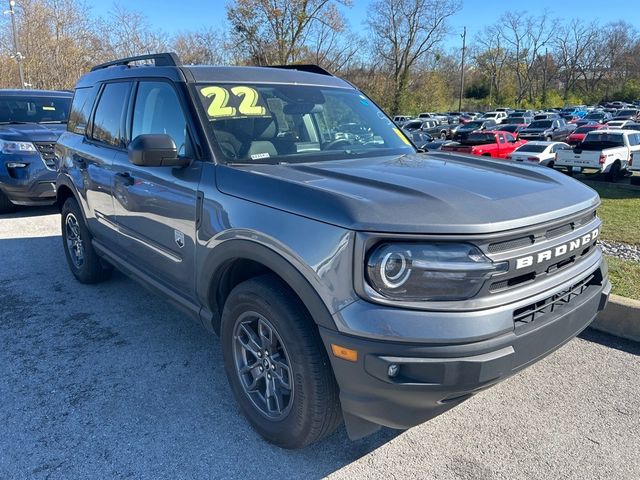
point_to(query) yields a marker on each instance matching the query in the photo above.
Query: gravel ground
(621, 250)
(108, 381)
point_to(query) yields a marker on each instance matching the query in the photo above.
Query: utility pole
(544, 78)
(464, 46)
(16, 51)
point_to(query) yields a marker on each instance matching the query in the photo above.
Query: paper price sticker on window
(235, 102)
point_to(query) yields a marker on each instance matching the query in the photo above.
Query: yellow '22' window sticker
(239, 101)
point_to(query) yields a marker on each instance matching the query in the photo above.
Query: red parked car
(579, 133)
(496, 144)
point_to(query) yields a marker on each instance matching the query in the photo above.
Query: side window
(501, 138)
(510, 138)
(158, 110)
(81, 109)
(108, 119)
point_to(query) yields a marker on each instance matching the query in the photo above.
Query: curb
(621, 318)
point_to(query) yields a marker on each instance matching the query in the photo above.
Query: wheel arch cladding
(235, 261)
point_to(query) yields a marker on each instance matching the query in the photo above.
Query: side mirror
(155, 150)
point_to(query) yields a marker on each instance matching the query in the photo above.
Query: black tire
(551, 164)
(5, 204)
(312, 405)
(549, 139)
(443, 135)
(614, 173)
(90, 268)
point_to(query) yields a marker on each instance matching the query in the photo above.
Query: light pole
(16, 51)
(464, 44)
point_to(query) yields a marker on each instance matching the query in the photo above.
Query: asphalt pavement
(110, 381)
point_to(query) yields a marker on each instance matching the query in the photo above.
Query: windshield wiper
(54, 121)
(14, 122)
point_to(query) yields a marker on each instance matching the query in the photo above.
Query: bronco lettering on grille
(558, 251)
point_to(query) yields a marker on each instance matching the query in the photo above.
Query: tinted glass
(34, 109)
(158, 110)
(81, 109)
(527, 147)
(273, 123)
(541, 124)
(584, 129)
(108, 119)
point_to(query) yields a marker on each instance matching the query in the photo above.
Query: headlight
(429, 271)
(10, 147)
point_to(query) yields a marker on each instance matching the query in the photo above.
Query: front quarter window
(268, 123)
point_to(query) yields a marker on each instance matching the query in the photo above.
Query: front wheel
(83, 261)
(5, 204)
(277, 367)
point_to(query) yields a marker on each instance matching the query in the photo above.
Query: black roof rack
(159, 59)
(305, 68)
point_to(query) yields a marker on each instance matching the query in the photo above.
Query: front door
(156, 206)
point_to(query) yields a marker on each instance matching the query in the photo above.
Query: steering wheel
(336, 143)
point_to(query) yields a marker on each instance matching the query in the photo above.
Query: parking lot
(109, 380)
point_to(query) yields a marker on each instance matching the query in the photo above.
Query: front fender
(236, 245)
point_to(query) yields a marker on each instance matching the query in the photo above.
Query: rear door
(94, 152)
(156, 206)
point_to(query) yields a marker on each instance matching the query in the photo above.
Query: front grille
(47, 152)
(511, 244)
(554, 303)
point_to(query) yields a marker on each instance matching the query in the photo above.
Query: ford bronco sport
(350, 276)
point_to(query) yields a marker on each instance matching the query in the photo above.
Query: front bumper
(33, 184)
(400, 385)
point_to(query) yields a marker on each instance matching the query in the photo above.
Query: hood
(420, 193)
(534, 130)
(32, 132)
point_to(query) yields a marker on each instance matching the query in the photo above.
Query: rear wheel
(548, 138)
(5, 204)
(83, 261)
(614, 173)
(443, 135)
(276, 364)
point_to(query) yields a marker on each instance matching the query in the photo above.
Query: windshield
(599, 141)
(34, 109)
(516, 120)
(595, 115)
(490, 115)
(480, 138)
(509, 128)
(471, 125)
(295, 123)
(585, 129)
(541, 124)
(532, 148)
(625, 113)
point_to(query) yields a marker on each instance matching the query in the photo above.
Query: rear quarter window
(81, 107)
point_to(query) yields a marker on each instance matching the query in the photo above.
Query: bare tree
(207, 46)
(404, 32)
(275, 31)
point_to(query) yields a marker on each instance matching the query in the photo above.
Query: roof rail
(304, 68)
(160, 60)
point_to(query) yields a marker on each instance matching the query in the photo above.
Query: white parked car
(497, 116)
(607, 151)
(543, 153)
(618, 123)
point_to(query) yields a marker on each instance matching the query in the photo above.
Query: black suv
(348, 275)
(30, 123)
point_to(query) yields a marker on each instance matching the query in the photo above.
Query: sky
(180, 15)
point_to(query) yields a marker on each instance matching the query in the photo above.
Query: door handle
(126, 178)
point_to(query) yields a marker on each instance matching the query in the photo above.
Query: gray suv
(349, 276)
